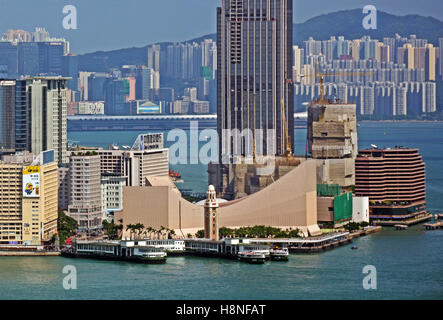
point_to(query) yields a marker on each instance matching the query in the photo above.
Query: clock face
(214, 215)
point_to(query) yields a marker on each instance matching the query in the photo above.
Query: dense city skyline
(221, 133)
(129, 23)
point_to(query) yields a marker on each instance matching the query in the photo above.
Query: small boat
(251, 257)
(174, 175)
(151, 255)
(354, 247)
(279, 254)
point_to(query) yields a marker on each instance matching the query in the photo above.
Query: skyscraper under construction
(254, 68)
(255, 94)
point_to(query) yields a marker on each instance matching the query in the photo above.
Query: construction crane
(321, 76)
(287, 138)
(288, 150)
(254, 152)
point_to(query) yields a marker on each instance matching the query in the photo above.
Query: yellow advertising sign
(31, 182)
(31, 169)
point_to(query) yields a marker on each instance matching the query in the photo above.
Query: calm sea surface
(409, 263)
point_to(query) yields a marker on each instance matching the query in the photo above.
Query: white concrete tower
(211, 215)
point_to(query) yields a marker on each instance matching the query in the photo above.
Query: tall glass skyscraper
(7, 107)
(254, 38)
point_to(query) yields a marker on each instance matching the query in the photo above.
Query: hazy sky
(115, 24)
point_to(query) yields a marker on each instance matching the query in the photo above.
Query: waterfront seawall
(27, 254)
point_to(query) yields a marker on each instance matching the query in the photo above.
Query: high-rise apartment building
(298, 55)
(85, 201)
(117, 92)
(147, 157)
(405, 55)
(384, 52)
(40, 117)
(440, 60)
(8, 59)
(96, 83)
(70, 69)
(355, 49)
(143, 83)
(17, 36)
(40, 35)
(28, 198)
(112, 193)
(379, 98)
(136, 166)
(154, 57)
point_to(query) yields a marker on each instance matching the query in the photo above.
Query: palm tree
(162, 229)
(139, 228)
(150, 230)
(171, 233)
(130, 227)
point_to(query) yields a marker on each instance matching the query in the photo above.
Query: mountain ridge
(347, 23)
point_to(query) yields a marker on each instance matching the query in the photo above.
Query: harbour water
(408, 263)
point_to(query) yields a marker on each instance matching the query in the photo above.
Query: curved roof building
(291, 201)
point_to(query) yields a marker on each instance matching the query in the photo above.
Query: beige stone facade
(238, 180)
(291, 201)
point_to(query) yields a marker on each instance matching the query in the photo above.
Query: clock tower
(211, 215)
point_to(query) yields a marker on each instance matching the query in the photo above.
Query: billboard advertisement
(31, 182)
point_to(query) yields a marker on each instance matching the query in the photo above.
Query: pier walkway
(433, 226)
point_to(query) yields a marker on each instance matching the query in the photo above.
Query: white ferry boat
(172, 247)
(279, 254)
(251, 257)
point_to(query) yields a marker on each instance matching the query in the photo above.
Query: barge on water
(133, 251)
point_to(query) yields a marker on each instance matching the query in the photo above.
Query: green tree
(162, 230)
(111, 229)
(364, 224)
(200, 234)
(66, 226)
(138, 229)
(352, 226)
(150, 230)
(131, 227)
(171, 233)
(294, 233)
(225, 232)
